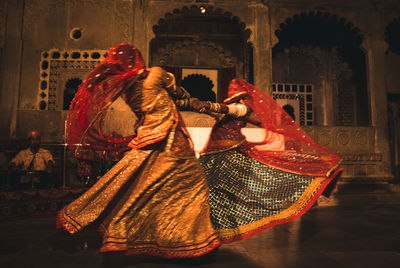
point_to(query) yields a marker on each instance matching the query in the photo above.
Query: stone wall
(362, 157)
(48, 25)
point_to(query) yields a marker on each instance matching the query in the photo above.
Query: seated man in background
(34, 164)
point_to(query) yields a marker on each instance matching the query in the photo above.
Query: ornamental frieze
(344, 139)
(363, 157)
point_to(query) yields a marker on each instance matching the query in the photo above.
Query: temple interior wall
(28, 28)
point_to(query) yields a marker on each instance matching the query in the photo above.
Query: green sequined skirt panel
(247, 196)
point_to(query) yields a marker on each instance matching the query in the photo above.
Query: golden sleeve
(156, 108)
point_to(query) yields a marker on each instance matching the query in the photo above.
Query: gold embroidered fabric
(155, 199)
(151, 103)
(225, 137)
(151, 203)
(180, 143)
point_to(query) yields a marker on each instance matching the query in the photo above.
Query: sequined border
(313, 191)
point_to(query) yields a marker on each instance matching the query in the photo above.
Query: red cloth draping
(298, 153)
(103, 85)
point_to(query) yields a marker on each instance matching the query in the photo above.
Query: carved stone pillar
(261, 39)
(11, 68)
(328, 88)
(142, 27)
(139, 28)
(375, 47)
(394, 133)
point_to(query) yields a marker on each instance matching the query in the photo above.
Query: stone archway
(199, 86)
(290, 110)
(323, 49)
(392, 36)
(71, 87)
(202, 36)
(392, 56)
(392, 60)
(194, 54)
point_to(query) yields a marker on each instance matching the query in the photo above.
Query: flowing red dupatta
(300, 154)
(103, 85)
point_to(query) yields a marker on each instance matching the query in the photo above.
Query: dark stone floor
(358, 230)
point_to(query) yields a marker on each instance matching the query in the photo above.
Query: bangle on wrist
(209, 105)
(215, 107)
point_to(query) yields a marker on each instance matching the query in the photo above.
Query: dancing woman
(155, 199)
(255, 185)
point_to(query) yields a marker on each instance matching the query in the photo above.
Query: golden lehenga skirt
(149, 203)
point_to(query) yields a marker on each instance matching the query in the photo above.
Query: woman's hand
(198, 105)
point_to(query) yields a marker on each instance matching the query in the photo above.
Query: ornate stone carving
(55, 64)
(194, 11)
(193, 26)
(356, 145)
(359, 137)
(298, 97)
(357, 140)
(328, 65)
(343, 138)
(123, 19)
(363, 157)
(89, 3)
(203, 51)
(324, 138)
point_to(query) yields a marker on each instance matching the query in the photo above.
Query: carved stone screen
(296, 100)
(60, 74)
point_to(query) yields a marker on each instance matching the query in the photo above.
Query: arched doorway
(324, 50)
(203, 38)
(71, 86)
(392, 38)
(290, 110)
(200, 86)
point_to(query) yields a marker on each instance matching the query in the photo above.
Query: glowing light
(203, 10)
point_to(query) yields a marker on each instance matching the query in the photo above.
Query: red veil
(300, 154)
(103, 85)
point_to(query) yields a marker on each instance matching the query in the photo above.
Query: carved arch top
(392, 35)
(206, 51)
(206, 14)
(325, 24)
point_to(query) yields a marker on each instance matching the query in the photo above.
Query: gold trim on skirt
(148, 203)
